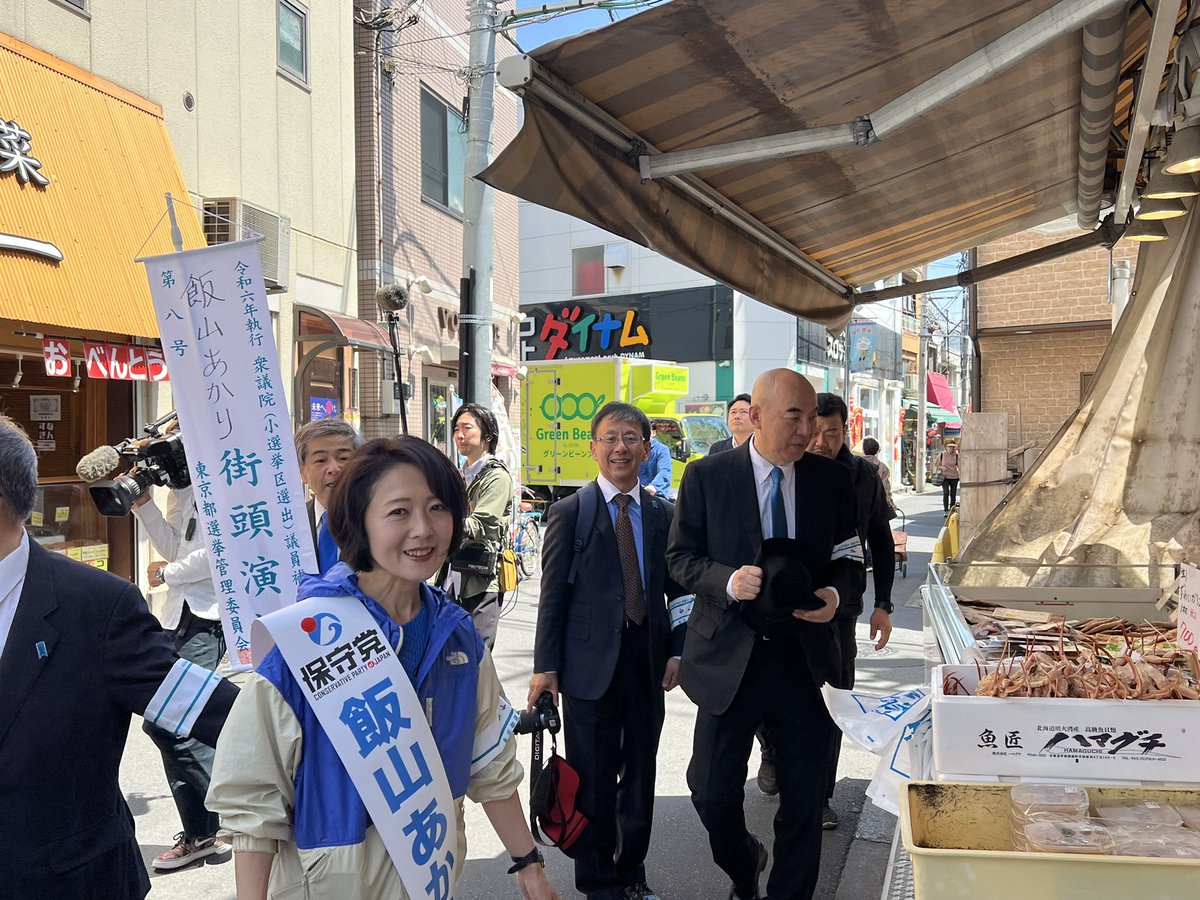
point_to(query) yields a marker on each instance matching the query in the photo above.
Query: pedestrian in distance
(490, 499)
(870, 448)
(322, 449)
(947, 465)
(605, 641)
(191, 620)
(875, 534)
(299, 824)
(79, 654)
(654, 474)
(738, 418)
(741, 676)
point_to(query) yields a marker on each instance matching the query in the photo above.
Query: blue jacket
(329, 811)
(655, 472)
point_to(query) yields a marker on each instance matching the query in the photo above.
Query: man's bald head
(783, 408)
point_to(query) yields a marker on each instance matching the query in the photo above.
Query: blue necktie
(327, 551)
(779, 527)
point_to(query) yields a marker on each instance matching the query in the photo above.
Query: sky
(531, 36)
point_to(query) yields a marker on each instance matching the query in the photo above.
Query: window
(587, 271)
(1085, 382)
(443, 153)
(292, 34)
(81, 5)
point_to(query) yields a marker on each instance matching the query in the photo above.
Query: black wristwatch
(521, 862)
(888, 607)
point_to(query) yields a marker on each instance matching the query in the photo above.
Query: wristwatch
(522, 862)
(887, 606)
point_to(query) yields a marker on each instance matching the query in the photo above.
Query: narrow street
(680, 866)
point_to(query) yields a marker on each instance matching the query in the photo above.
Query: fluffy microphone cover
(97, 464)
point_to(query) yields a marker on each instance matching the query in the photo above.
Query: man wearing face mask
(322, 449)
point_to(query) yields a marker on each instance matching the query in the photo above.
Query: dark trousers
(188, 763)
(848, 644)
(613, 742)
(949, 493)
(484, 610)
(776, 690)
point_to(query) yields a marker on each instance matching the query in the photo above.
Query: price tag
(62, 514)
(1188, 637)
(35, 518)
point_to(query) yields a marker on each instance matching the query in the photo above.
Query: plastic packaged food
(1190, 815)
(1019, 824)
(1062, 799)
(1069, 837)
(1159, 841)
(1140, 812)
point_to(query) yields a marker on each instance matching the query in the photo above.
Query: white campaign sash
(370, 710)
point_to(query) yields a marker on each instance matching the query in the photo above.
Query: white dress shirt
(12, 582)
(762, 484)
(187, 574)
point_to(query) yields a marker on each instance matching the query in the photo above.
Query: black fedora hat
(787, 586)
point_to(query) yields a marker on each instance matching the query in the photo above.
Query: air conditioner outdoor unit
(228, 219)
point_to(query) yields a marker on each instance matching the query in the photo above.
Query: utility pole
(475, 316)
(922, 377)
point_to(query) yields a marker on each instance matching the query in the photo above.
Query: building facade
(1041, 332)
(410, 146)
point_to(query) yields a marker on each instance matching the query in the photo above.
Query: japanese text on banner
(220, 348)
(1188, 634)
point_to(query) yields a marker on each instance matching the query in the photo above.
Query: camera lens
(115, 499)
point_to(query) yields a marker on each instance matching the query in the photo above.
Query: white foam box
(1079, 739)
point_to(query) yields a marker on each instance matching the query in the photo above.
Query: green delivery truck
(560, 399)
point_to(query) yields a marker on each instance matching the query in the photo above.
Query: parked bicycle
(527, 536)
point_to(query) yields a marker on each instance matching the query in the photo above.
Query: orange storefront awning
(67, 247)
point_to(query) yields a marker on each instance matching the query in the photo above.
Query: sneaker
(829, 819)
(188, 850)
(640, 891)
(767, 782)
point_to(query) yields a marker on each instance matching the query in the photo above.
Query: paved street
(680, 865)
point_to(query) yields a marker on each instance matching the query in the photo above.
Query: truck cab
(688, 437)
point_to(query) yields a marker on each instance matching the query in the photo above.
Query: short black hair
(832, 405)
(622, 412)
(355, 488)
(484, 418)
(870, 446)
(739, 398)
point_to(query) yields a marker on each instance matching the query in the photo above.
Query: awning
(336, 330)
(935, 414)
(939, 392)
(798, 231)
(67, 247)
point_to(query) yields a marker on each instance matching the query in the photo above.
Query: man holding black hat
(757, 651)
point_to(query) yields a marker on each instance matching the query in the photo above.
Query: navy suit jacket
(579, 628)
(65, 709)
(718, 528)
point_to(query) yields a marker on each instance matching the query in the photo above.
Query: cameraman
(192, 620)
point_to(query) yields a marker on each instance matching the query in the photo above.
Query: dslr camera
(157, 459)
(543, 716)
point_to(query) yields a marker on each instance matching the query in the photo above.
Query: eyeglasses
(629, 440)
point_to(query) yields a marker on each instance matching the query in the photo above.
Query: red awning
(938, 392)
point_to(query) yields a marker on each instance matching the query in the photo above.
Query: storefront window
(436, 415)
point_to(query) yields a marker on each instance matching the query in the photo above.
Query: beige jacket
(252, 789)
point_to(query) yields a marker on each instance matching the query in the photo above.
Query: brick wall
(1038, 374)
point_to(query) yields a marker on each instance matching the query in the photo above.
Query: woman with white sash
(340, 754)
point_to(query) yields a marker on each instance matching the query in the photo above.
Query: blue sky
(531, 36)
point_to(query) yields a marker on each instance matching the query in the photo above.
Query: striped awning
(689, 74)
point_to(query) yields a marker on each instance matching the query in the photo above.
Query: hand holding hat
(786, 596)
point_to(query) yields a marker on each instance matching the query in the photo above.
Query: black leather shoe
(829, 819)
(640, 891)
(734, 894)
(766, 778)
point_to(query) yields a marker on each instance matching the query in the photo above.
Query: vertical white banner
(216, 332)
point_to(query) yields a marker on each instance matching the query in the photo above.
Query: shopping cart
(900, 539)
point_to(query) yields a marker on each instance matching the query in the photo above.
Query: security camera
(392, 297)
(422, 284)
(518, 317)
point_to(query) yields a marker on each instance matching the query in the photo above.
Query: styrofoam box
(1138, 740)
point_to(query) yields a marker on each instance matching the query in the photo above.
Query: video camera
(157, 459)
(543, 716)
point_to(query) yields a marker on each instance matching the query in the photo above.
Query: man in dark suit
(79, 654)
(604, 638)
(738, 417)
(322, 449)
(739, 678)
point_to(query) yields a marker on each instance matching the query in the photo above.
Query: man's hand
(542, 681)
(881, 624)
(671, 676)
(746, 582)
(143, 498)
(154, 573)
(826, 612)
(650, 489)
(534, 885)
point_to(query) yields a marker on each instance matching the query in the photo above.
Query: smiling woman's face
(408, 527)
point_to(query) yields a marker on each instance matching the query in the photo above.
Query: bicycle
(527, 537)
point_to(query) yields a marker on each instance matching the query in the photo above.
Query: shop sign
(56, 354)
(15, 155)
(863, 356)
(1188, 631)
(322, 408)
(116, 362)
(45, 408)
(575, 331)
(835, 348)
